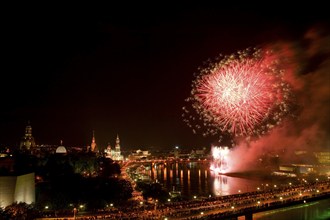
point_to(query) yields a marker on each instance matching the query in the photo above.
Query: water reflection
(220, 185)
(195, 178)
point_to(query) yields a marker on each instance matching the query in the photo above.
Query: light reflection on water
(195, 178)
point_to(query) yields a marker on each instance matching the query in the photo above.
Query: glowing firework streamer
(243, 94)
(220, 160)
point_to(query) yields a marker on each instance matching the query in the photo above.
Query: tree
(154, 190)
(19, 211)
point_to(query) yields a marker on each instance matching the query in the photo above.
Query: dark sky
(122, 70)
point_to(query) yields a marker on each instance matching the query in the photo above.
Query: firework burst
(220, 160)
(243, 94)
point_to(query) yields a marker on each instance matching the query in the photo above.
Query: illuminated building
(139, 155)
(61, 149)
(93, 144)
(27, 142)
(17, 189)
(114, 154)
(323, 157)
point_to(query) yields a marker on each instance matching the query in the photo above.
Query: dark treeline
(64, 182)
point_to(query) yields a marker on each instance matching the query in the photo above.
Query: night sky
(123, 70)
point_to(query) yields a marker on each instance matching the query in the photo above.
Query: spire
(117, 146)
(93, 145)
(116, 154)
(117, 139)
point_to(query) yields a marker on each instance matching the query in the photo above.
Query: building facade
(114, 154)
(27, 142)
(17, 189)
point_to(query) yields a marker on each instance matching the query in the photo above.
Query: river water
(196, 179)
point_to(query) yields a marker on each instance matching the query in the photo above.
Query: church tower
(117, 146)
(116, 154)
(93, 145)
(27, 142)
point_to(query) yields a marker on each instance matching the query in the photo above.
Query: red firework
(242, 94)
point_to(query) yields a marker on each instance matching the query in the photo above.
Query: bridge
(224, 207)
(234, 206)
(248, 211)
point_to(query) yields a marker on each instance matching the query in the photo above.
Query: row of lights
(80, 206)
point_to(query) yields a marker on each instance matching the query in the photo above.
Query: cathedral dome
(61, 150)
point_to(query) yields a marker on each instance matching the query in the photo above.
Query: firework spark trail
(243, 94)
(220, 160)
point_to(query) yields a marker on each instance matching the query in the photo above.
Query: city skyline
(125, 71)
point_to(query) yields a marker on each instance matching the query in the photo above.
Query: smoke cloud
(308, 71)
